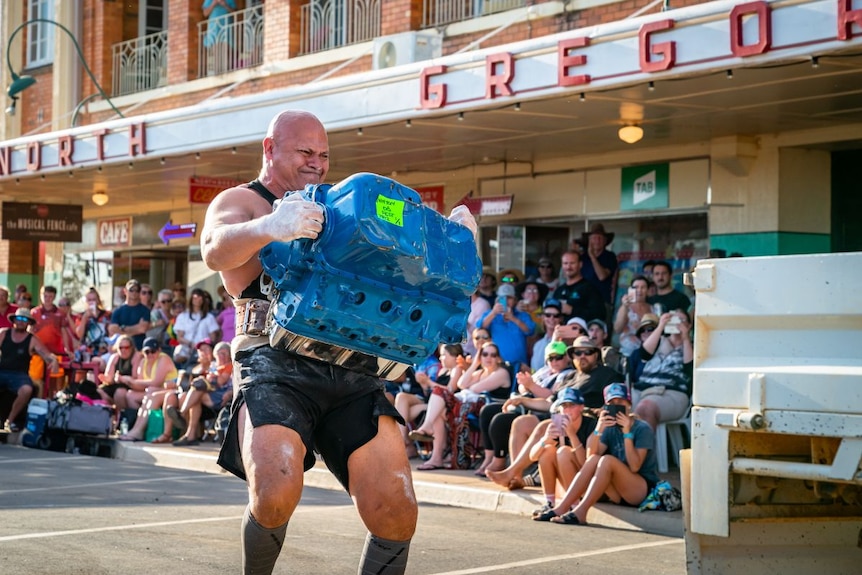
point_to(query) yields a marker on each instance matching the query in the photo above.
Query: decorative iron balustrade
(230, 42)
(140, 64)
(327, 24)
(441, 12)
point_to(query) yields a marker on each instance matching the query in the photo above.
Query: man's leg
(22, 398)
(273, 458)
(382, 489)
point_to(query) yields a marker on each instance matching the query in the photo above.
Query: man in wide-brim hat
(17, 345)
(600, 264)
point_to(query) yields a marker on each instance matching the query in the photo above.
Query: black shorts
(334, 410)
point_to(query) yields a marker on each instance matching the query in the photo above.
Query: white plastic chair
(674, 430)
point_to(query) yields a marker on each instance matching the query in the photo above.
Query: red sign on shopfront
(202, 190)
(432, 196)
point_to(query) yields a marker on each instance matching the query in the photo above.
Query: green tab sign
(390, 210)
(645, 187)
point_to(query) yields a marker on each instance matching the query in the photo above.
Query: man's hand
(461, 215)
(294, 217)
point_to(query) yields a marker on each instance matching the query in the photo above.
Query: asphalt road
(73, 514)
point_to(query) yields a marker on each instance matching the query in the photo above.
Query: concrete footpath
(455, 488)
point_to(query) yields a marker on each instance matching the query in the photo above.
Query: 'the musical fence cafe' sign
(41, 222)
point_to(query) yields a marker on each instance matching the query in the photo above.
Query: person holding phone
(508, 326)
(665, 383)
(633, 307)
(621, 463)
(562, 451)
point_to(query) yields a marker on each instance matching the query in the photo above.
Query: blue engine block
(387, 277)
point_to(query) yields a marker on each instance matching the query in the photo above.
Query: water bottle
(124, 426)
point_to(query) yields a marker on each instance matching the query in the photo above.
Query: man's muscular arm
(239, 223)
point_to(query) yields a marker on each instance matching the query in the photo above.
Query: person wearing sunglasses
(132, 317)
(621, 463)
(552, 317)
(547, 274)
(633, 307)
(156, 377)
(590, 376)
(485, 373)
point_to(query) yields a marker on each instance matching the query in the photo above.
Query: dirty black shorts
(334, 410)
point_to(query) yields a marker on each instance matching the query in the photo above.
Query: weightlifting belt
(251, 320)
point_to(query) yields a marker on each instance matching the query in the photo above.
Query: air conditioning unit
(406, 48)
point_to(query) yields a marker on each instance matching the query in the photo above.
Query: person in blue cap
(621, 464)
(562, 451)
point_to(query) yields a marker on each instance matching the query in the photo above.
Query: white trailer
(772, 483)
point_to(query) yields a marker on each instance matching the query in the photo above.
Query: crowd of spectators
(131, 357)
(546, 371)
(563, 355)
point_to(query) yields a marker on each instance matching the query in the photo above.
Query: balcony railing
(140, 64)
(327, 24)
(441, 12)
(231, 42)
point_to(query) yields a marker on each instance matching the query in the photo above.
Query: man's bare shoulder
(240, 203)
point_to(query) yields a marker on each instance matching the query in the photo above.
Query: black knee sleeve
(260, 546)
(383, 557)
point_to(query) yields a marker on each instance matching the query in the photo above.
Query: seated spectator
(17, 345)
(194, 325)
(411, 405)
(589, 377)
(509, 327)
(156, 378)
(621, 463)
(122, 363)
(664, 386)
(160, 318)
(6, 308)
(552, 317)
(574, 328)
(634, 365)
(598, 333)
(562, 453)
(534, 391)
(479, 306)
(633, 306)
(486, 373)
(208, 394)
(548, 274)
(226, 318)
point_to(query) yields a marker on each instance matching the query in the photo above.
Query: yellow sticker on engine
(390, 210)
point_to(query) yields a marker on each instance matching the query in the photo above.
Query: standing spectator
(160, 317)
(6, 308)
(665, 295)
(147, 296)
(548, 274)
(552, 317)
(633, 306)
(52, 323)
(69, 321)
(132, 317)
(24, 300)
(509, 328)
(510, 276)
(16, 348)
(580, 298)
(195, 325)
(600, 264)
(91, 329)
(621, 463)
(488, 288)
(20, 290)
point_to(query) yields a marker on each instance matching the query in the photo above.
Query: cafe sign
(41, 222)
(114, 233)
